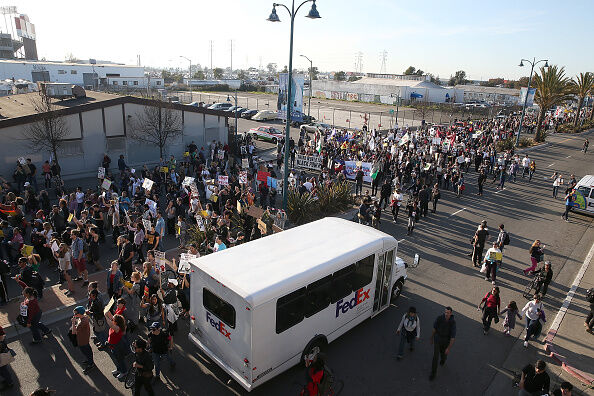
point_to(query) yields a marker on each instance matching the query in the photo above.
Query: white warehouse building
(87, 75)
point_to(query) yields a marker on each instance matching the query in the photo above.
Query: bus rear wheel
(314, 347)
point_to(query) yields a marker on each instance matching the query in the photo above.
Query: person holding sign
(493, 258)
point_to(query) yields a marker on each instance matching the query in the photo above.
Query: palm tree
(581, 86)
(552, 88)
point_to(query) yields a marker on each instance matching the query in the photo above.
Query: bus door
(381, 298)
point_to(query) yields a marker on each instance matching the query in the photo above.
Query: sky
(486, 39)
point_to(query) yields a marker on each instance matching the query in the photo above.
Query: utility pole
(383, 57)
(211, 56)
(232, 59)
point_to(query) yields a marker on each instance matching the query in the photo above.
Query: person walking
(502, 238)
(359, 181)
(82, 329)
(534, 380)
(568, 204)
(589, 323)
(118, 344)
(385, 191)
(143, 363)
(511, 312)
(442, 339)
(396, 203)
(413, 210)
(586, 144)
(482, 178)
(78, 257)
(491, 307)
(525, 165)
(409, 330)
(544, 276)
(161, 345)
(31, 311)
(532, 311)
(435, 196)
(479, 239)
(536, 255)
(557, 181)
(492, 260)
(95, 312)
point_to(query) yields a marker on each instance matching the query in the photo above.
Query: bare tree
(423, 108)
(49, 132)
(156, 125)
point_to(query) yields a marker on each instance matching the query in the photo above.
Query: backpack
(37, 280)
(505, 238)
(590, 295)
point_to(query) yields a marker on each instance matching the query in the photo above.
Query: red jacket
(32, 309)
(315, 380)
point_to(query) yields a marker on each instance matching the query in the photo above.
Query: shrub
(527, 142)
(334, 197)
(301, 208)
(507, 144)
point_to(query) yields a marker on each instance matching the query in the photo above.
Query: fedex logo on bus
(358, 298)
(217, 324)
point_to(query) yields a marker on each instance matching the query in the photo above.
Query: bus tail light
(193, 317)
(246, 362)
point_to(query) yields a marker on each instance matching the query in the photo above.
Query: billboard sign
(296, 96)
(530, 101)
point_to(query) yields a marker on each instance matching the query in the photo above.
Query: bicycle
(130, 380)
(534, 284)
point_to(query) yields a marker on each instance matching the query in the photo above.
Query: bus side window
(289, 310)
(342, 283)
(363, 272)
(318, 296)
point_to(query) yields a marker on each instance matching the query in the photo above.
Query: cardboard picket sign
(106, 184)
(243, 178)
(147, 184)
(101, 173)
(223, 180)
(147, 224)
(245, 163)
(188, 181)
(160, 262)
(184, 263)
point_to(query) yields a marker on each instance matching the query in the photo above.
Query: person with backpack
(590, 318)
(491, 308)
(27, 277)
(502, 238)
(319, 377)
(32, 313)
(143, 363)
(409, 330)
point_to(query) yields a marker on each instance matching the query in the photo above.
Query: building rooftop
(398, 83)
(496, 90)
(20, 105)
(58, 63)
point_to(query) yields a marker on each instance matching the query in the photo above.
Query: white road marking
(458, 211)
(551, 165)
(498, 191)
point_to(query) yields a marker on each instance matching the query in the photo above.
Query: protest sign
(200, 222)
(70, 217)
(22, 160)
(243, 150)
(351, 169)
(147, 184)
(101, 173)
(308, 161)
(106, 184)
(221, 154)
(187, 181)
(27, 250)
(263, 176)
(160, 261)
(245, 163)
(152, 206)
(243, 179)
(184, 263)
(164, 169)
(223, 180)
(271, 182)
(147, 224)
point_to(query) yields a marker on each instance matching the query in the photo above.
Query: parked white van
(583, 201)
(259, 308)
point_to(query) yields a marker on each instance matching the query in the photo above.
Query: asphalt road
(364, 358)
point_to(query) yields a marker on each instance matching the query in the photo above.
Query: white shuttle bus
(262, 307)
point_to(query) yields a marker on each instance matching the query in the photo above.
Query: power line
(384, 58)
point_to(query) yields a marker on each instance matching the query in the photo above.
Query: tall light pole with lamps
(189, 79)
(310, 78)
(313, 14)
(532, 64)
(236, 129)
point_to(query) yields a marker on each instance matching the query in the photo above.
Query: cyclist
(143, 363)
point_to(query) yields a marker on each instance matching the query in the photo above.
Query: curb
(548, 346)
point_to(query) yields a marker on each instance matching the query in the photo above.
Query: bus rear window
(219, 307)
(289, 310)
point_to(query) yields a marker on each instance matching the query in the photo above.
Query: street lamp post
(310, 78)
(313, 14)
(190, 78)
(236, 126)
(532, 64)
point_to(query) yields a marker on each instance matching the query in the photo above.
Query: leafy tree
(156, 125)
(199, 75)
(434, 80)
(314, 72)
(354, 78)
(71, 58)
(581, 87)
(419, 72)
(523, 82)
(552, 88)
(242, 75)
(458, 78)
(410, 71)
(340, 76)
(493, 82)
(285, 69)
(49, 132)
(422, 108)
(218, 73)
(271, 67)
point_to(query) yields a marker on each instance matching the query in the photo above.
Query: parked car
(264, 115)
(314, 126)
(306, 120)
(237, 110)
(232, 109)
(248, 114)
(220, 106)
(266, 133)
